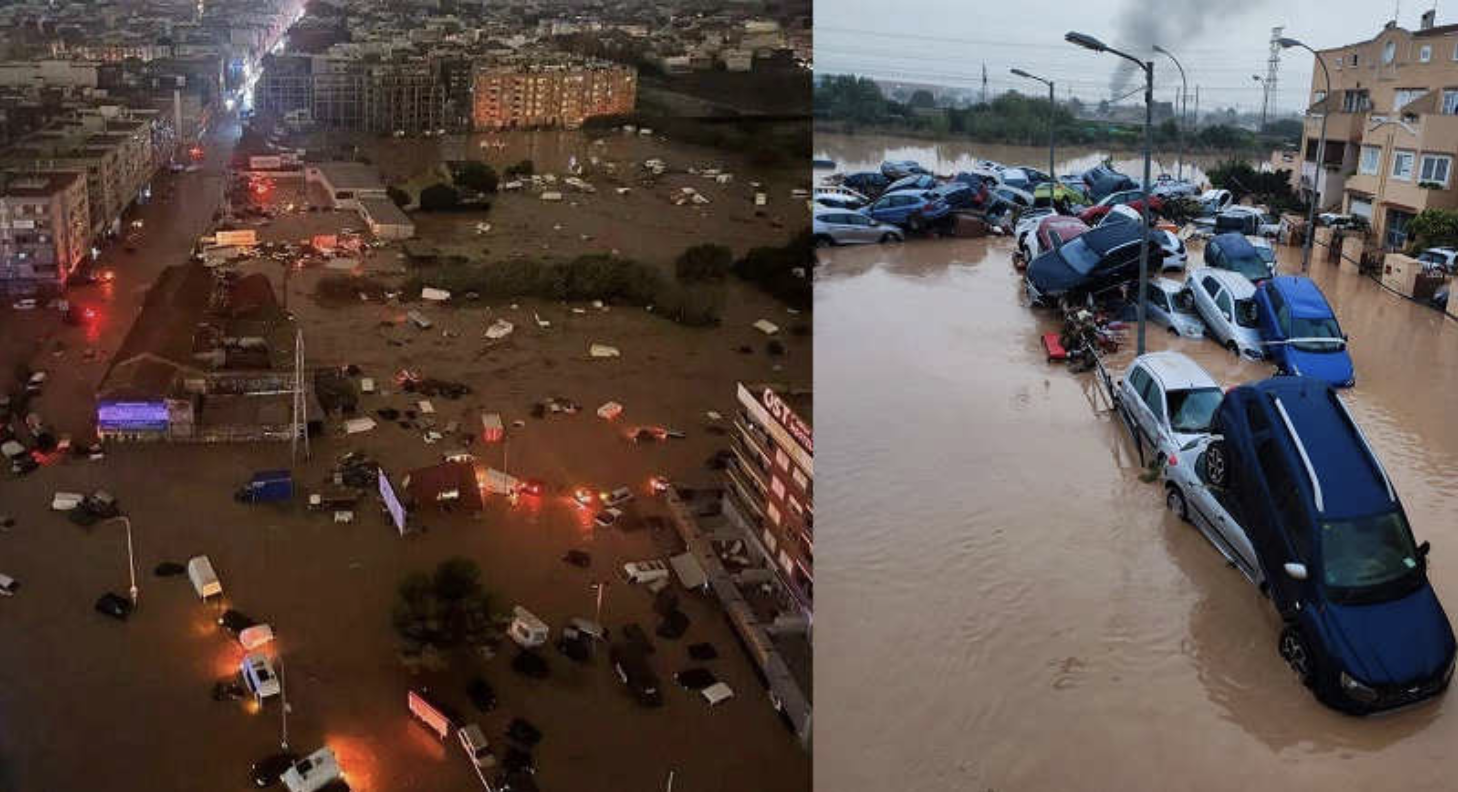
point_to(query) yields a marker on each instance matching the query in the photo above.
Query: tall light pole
(1184, 105)
(131, 559)
(283, 692)
(1052, 115)
(1265, 98)
(1089, 42)
(1288, 43)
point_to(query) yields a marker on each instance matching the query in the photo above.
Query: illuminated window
(782, 459)
(777, 486)
(774, 513)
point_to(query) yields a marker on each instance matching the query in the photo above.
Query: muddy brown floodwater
(1011, 608)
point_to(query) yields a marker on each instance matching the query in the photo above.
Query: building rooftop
(351, 175)
(385, 212)
(35, 185)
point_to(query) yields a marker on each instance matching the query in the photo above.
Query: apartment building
(354, 93)
(770, 491)
(117, 163)
(1391, 127)
(44, 230)
(548, 94)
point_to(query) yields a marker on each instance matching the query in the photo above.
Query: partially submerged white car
(1226, 301)
(1169, 399)
(1188, 494)
(1171, 305)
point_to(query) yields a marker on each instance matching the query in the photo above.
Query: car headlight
(1357, 690)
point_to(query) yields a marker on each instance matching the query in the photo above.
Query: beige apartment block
(543, 96)
(44, 230)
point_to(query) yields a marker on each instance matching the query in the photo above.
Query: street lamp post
(1089, 42)
(1287, 43)
(599, 585)
(1184, 102)
(283, 693)
(1265, 97)
(1052, 117)
(131, 559)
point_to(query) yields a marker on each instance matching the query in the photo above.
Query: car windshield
(1245, 313)
(1267, 255)
(1250, 266)
(1310, 333)
(1080, 257)
(1369, 558)
(1192, 410)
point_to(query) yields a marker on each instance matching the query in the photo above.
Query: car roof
(1301, 293)
(1062, 222)
(1233, 243)
(1107, 237)
(1167, 285)
(1352, 481)
(1238, 285)
(1175, 371)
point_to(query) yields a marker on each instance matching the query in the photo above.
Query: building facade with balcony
(1391, 128)
(536, 95)
(44, 230)
(770, 483)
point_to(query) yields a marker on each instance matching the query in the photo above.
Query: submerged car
(1226, 301)
(900, 169)
(907, 209)
(1050, 232)
(1094, 262)
(1301, 332)
(919, 182)
(1187, 493)
(1131, 198)
(1168, 398)
(1362, 626)
(1235, 253)
(1171, 305)
(867, 183)
(847, 227)
(1173, 255)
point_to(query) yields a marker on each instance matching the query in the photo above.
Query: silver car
(1193, 500)
(846, 227)
(1169, 399)
(1171, 305)
(1226, 301)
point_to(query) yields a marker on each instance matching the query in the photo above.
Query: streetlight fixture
(131, 560)
(1052, 174)
(1184, 104)
(1089, 42)
(1288, 43)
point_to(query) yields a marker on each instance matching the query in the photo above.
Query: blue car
(866, 182)
(1361, 625)
(919, 181)
(912, 210)
(1235, 253)
(1301, 332)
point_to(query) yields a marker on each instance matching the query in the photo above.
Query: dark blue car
(908, 209)
(867, 183)
(1301, 331)
(917, 181)
(1235, 253)
(1092, 264)
(1362, 626)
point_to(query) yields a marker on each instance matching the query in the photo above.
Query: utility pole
(984, 82)
(301, 403)
(283, 709)
(1273, 64)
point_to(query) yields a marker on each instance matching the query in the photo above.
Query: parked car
(259, 677)
(867, 183)
(1017, 178)
(235, 622)
(1189, 495)
(114, 605)
(1442, 258)
(1093, 262)
(1301, 331)
(1226, 301)
(607, 518)
(907, 209)
(957, 195)
(1362, 627)
(1048, 233)
(918, 182)
(838, 200)
(1133, 198)
(1102, 180)
(313, 773)
(1168, 398)
(1061, 192)
(1012, 196)
(845, 227)
(267, 771)
(1247, 220)
(898, 169)
(1171, 305)
(633, 670)
(1170, 188)
(1234, 253)
(1263, 249)
(1213, 202)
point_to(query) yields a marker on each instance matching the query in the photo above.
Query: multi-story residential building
(354, 93)
(538, 94)
(117, 161)
(1391, 127)
(770, 491)
(44, 230)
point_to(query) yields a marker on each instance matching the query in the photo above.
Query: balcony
(1339, 126)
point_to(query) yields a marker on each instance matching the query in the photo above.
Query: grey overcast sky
(1220, 43)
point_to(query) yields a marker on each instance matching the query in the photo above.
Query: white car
(837, 200)
(313, 772)
(1226, 301)
(607, 518)
(645, 571)
(1169, 399)
(1442, 258)
(617, 497)
(258, 676)
(1026, 231)
(1265, 224)
(1187, 494)
(1213, 202)
(1172, 306)
(848, 227)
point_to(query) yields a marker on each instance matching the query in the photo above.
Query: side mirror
(1296, 571)
(1424, 548)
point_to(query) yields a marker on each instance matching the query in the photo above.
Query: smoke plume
(1174, 25)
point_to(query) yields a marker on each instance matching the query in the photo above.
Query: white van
(717, 692)
(312, 772)
(204, 579)
(527, 630)
(645, 571)
(473, 741)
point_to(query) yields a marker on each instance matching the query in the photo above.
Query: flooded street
(853, 153)
(1011, 608)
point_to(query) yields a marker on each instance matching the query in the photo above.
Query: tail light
(1173, 460)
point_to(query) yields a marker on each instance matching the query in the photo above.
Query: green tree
(439, 198)
(922, 98)
(1433, 228)
(704, 262)
(477, 176)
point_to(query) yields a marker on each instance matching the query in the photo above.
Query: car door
(1156, 426)
(1157, 305)
(1132, 395)
(1204, 291)
(865, 229)
(1225, 310)
(1270, 311)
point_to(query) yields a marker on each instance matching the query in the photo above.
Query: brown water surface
(1008, 605)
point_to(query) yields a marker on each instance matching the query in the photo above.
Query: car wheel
(1176, 502)
(1217, 464)
(915, 224)
(888, 238)
(1173, 331)
(1294, 651)
(1232, 348)
(824, 241)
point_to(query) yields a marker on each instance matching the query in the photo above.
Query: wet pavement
(1010, 607)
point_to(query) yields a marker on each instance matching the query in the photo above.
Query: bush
(399, 196)
(443, 609)
(439, 198)
(774, 270)
(1433, 228)
(477, 176)
(703, 263)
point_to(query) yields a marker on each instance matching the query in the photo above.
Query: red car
(1052, 231)
(1133, 198)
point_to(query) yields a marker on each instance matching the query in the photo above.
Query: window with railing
(1434, 169)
